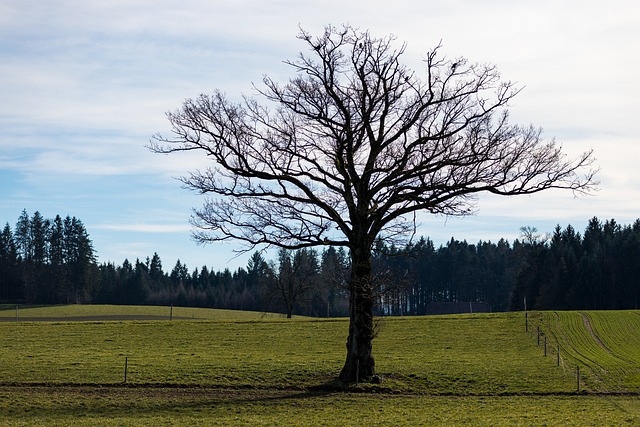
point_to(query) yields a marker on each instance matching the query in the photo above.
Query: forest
(52, 261)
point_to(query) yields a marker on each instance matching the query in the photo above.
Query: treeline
(52, 261)
(599, 270)
(301, 282)
(46, 261)
(558, 271)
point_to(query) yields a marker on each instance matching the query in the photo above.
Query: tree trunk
(360, 364)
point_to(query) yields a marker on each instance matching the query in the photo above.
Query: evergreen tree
(629, 270)
(179, 275)
(530, 253)
(157, 278)
(422, 264)
(108, 283)
(58, 272)
(137, 287)
(10, 282)
(23, 236)
(37, 285)
(80, 260)
(39, 238)
(334, 274)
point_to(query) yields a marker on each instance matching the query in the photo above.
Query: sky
(84, 85)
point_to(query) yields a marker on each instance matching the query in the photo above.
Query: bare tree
(297, 277)
(352, 147)
(531, 236)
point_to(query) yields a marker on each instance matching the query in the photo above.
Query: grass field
(9, 313)
(605, 343)
(233, 368)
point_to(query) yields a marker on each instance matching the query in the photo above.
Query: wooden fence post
(578, 377)
(526, 316)
(126, 366)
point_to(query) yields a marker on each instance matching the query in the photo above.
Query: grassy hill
(78, 312)
(210, 366)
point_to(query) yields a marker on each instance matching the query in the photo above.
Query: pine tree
(10, 282)
(23, 236)
(80, 260)
(58, 268)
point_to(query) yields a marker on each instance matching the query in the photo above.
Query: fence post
(558, 354)
(171, 313)
(545, 346)
(126, 366)
(578, 377)
(538, 335)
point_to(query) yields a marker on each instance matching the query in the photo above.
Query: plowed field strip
(587, 325)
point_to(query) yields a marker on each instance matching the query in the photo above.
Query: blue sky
(85, 84)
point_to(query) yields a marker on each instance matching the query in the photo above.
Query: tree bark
(360, 364)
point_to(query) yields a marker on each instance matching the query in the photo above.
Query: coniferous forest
(52, 261)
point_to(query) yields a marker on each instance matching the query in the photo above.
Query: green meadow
(92, 365)
(77, 312)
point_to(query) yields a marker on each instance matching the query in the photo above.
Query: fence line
(548, 348)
